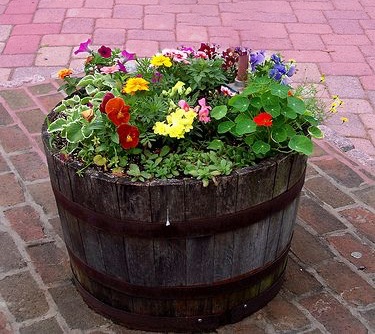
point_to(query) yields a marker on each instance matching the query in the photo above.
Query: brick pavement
(326, 289)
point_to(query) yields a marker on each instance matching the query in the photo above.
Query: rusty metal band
(189, 228)
(182, 324)
(218, 288)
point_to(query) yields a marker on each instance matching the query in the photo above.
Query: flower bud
(88, 114)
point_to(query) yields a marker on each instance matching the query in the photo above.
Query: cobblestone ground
(326, 288)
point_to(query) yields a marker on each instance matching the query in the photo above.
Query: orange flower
(117, 111)
(65, 72)
(128, 135)
(263, 119)
(135, 84)
(88, 114)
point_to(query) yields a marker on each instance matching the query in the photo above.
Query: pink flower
(109, 69)
(83, 47)
(128, 56)
(203, 111)
(201, 54)
(183, 105)
(226, 91)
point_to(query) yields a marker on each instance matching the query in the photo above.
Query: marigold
(160, 60)
(128, 136)
(135, 84)
(65, 72)
(263, 119)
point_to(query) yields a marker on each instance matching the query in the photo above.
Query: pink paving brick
(272, 17)
(350, 27)
(167, 9)
(142, 48)
(198, 20)
(49, 15)
(334, 39)
(264, 6)
(309, 56)
(306, 42)
(60, 4)
(345, 86)
(89, 12)
(138, 2)
(351, 5)
(99, 3)
(128, 12)
(109, 36)
(368, 82)
(310, 16)
(261, 29)
(312, 5)
(152, 35)
(17, 60)
(119, 23)
(347, 53)
(343, 68)
(81, 25)
(15, 19)
(367, 24)
(5, 32)
(22, 44)
(64, 39)
(346, 14)
(36, 29)
(371, 35)
(301, 28)
(191, 33)
(160, 22)
(21, 7)
(274, 44)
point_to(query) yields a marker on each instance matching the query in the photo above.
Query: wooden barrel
(173, 255)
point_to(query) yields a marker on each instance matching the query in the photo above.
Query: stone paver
(326, 289)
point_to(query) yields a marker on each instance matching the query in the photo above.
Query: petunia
(106, 98)
(263, 119)
(128, 56)
(105, 52)
(128, 136)
(83, 47)
(110, 69)
(65, 72)
(135, 84)
(121, 67)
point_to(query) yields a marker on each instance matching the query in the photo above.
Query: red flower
(117, 111)
(105, 52)
(128, 135)
(106, 98)
(263, 119)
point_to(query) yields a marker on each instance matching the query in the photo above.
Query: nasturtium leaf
(269, 100)
(256, 102)
(216, 144)
(225, 126)
(289, 130)
(261, 147)
(315, 132)
(289, 113)
(74, 132)
(99, 160)
(219, 112)
(245, 124)
(239, 103)
(279, 134)
(296, 104)
(279, 90)
(274, 110)
(249, 140)
(302, 144)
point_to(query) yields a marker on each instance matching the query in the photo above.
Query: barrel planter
(172, 255)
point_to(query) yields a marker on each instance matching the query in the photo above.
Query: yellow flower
(65, 72)
(160, 128)
(135, 84)
(344, 119)
(322, 78)
(177, 88)
(160, 60)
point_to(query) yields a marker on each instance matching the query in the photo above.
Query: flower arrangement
(177, 114)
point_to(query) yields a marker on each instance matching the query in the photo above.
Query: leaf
(219, 112)
(164, 151)
(244, 124)
(289, 113)
(239, 103)
(289, 130)
(256, 102)
(115, 138)
(99, 160)
(216, 144)
(87, 80)
(74, 132)
(296, 104)
(249, 140)
(134, 170)
(91, 90)
(301, 144)
(279, 90)
(87, 130)
(279, 134)
(315, 132)
(260, 147)
(57, 125)
(225, 126)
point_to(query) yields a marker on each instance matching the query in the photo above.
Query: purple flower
(256, 58)
(276, 59)
(291, 71)
(106, 98)
(128, 56)
(156, 77)
(105, 52)
(121, 67)
(83, 47)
